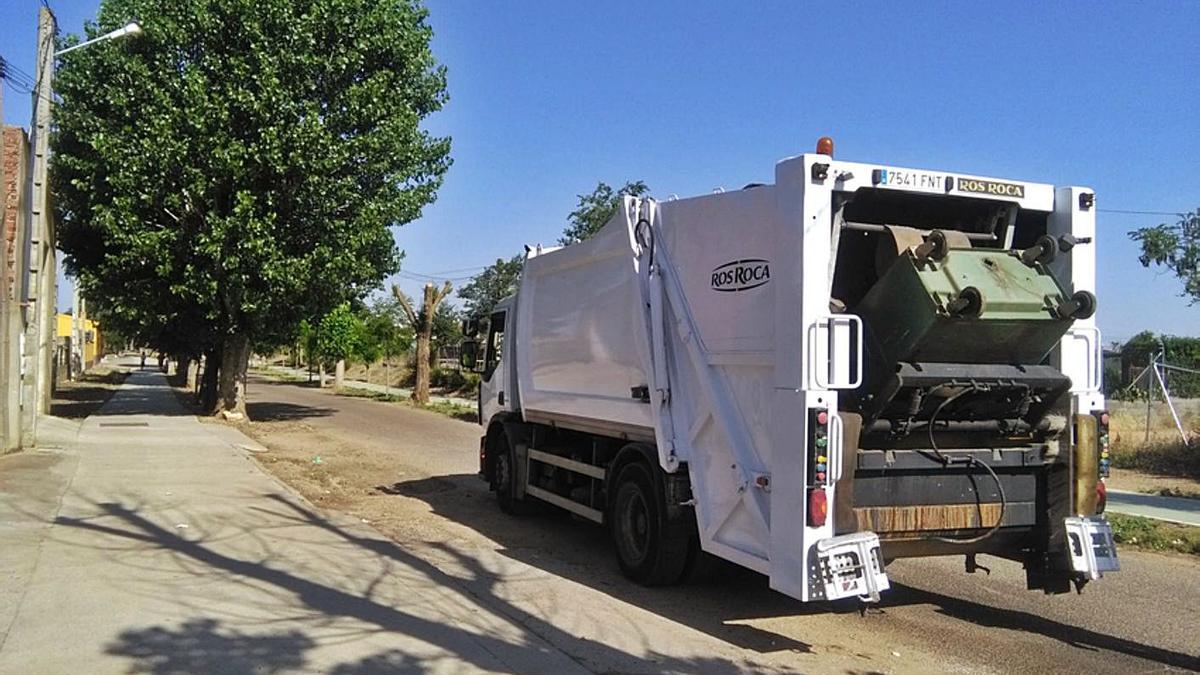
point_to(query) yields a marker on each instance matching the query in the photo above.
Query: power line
(1142, 213)
(463, 269)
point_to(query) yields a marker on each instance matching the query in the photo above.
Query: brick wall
(14, 160)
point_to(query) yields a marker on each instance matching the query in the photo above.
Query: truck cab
(497, 390)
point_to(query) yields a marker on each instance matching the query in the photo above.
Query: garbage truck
(812, 378)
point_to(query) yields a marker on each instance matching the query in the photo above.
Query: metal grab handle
(821, 372)
(837, 433)
(1095, 358)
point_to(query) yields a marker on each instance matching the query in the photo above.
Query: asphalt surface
(936, 618)
(1171, 509)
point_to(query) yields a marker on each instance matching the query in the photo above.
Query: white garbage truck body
(697, 377)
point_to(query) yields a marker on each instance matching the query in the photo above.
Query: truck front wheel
(652, 549)
(504, 479)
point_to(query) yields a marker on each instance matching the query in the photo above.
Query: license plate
(909, 180)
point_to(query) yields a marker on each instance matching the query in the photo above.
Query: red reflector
(1101, 497)
(818, 507)
(822, 417)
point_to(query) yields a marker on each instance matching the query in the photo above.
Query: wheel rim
(635, 526)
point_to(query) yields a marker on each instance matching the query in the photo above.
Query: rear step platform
(851, 565)
(1090, 542)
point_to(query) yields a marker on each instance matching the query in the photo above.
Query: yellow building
(92, 342)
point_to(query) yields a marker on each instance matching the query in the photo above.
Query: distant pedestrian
(143, 367)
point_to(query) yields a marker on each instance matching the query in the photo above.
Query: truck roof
(852, 176)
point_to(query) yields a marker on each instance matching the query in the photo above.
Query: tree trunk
(387, 378)
(339, 376)
(235, 358)
(421, 387)
(208, 383)
(422, 322)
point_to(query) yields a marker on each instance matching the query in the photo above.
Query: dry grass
(1164, 453)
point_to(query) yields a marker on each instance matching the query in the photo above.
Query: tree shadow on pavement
(996, 617)
(480, 587)
(144, 397)
(736, 594)
(208, 646)
(201, 644)
(718, 606)
(273, 411)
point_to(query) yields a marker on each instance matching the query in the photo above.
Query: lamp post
(131, 28)
(37, 364)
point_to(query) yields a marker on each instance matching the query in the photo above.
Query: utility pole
(39, 318)
(76, 331)
(8, 379)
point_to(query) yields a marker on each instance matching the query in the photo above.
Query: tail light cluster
(818, 463)
(1102, 439)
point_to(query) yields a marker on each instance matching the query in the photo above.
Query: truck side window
(495, 343)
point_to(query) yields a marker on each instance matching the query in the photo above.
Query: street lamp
(40, 268)
(131, 28)
(78, 317)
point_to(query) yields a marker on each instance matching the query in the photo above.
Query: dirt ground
(411, 474)
(1147, 483)
(83, 397)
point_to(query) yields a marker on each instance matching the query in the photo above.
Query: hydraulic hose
(947, 461)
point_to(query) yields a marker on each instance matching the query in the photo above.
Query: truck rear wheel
(652, 549)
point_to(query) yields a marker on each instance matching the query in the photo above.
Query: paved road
(937, 618)
(1170, 509)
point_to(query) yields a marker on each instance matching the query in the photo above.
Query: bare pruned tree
(422, 323)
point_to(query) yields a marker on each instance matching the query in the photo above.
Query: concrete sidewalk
(151, 542)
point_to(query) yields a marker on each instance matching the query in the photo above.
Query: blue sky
(548, 98)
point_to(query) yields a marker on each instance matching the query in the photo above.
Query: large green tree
(595, 209)
(240, 163)
(1176, 247)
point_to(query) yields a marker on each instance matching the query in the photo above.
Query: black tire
(652, 550)
(504, 478)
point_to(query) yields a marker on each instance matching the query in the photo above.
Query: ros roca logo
(741, 275)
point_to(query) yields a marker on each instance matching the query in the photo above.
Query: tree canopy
(237, 166)
(491, 286)
(1176, 247)
(595, 209)
(340, 334)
